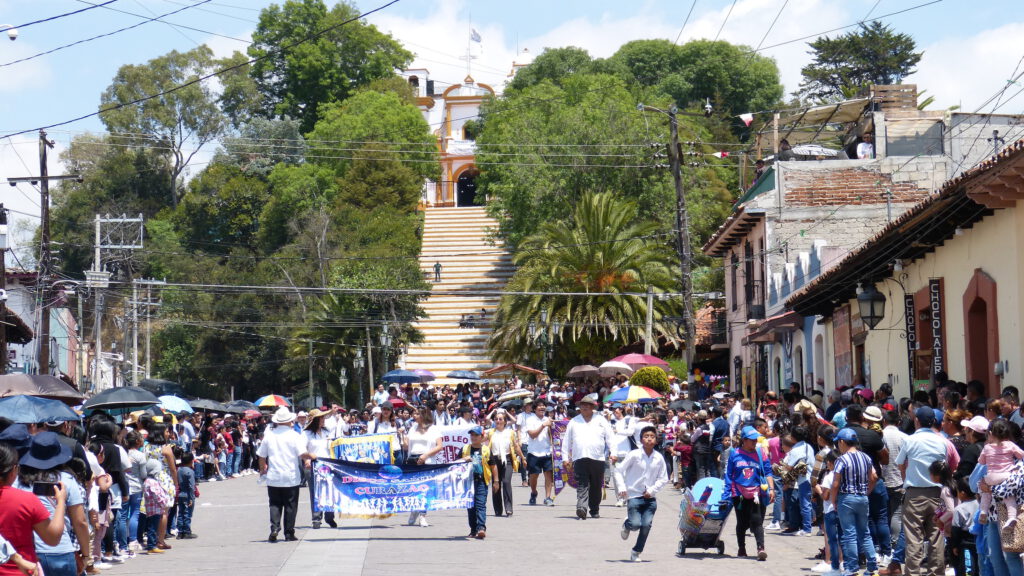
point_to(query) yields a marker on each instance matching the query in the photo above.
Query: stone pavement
(231, 521)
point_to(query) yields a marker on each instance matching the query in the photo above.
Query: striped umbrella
(633, 395)
(271, 400)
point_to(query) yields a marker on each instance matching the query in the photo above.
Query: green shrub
(651, 377)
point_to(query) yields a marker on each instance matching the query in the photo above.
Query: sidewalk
(232, 524)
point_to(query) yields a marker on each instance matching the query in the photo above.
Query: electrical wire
(770, 26)
(685, 22)
(64, 15)
(727, 14)
(173, 24)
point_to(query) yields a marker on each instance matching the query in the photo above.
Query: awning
(807, 124)
(766, 330)
(733, 230)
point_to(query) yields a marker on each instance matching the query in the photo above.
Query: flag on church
(356, 490)
(474, 35)
(747, 118)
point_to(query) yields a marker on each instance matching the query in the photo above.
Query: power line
(98, 36)
(172, 24)
(211, 74)
(727, 14)
(772, 25)
(58, 16)
(685, 22)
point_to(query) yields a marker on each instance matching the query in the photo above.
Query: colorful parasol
(633, 395)
(271, 400)
(638, 361)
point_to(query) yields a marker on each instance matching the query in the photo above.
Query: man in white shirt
(281, 455)
(734, 416)
(380, 396)
(538, 452)
(524, 438)
(643, 473)
(588, 440)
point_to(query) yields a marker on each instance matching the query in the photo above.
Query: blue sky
(971, 48)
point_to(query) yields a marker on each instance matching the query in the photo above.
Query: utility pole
(649, 332)
(682, 226)
(369, 360)
(135, 333)
(3, 290)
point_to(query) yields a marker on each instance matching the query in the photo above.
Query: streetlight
(358, 364)
(12, 32)
(385, 342)
(343, 382)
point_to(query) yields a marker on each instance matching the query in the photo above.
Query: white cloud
(966, 71)
(23, 76)
(224, 47)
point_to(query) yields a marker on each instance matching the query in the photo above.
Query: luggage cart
(702, 515)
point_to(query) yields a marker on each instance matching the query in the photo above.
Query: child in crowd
(999, 454)
(684, 454)
(9, 554)
(829, 567)
(99, 507)
(961, 539)
(156, 502)
(186, 496)
(480, 455)
(941, 475)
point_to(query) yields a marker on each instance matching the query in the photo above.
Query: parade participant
(422, 443)
(24, 515)
(587, 443)
(641, 475)
(506, 456)
(317, 440)
(854, 479)
(480, 455)
(279, 454)
(524, 438)
(749, 482)
(538, 455)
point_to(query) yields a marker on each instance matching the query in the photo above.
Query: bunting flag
(474, 35)
(721, 154)
(747, 118)
(366, 448)
(355, 490)
(562, 476)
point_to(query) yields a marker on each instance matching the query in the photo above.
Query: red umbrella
(252, 414)
(637, 361)
(397, 402)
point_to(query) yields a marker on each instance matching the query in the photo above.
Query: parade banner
(562, 476)
(453, 438)
(367, 448)
(356, 490)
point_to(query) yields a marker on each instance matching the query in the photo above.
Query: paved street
(231, 520)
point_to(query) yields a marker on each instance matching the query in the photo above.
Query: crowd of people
(921, 485)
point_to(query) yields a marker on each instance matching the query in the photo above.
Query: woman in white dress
(507, 457)
(422, 444)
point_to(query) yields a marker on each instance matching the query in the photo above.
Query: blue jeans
(832, 533)
(806, 508)
(878, 519)
(185, 508)
(639, 516)
(58, 564)
(236, 461)
(152, 523)
(478, 513)
(128, 520)
(853, 515)
(1003, 563)
(777, 505)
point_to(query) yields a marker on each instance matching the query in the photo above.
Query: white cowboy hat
(283, 416)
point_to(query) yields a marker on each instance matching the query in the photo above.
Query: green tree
(844, 66)
(553, 64)
(221, 209)
(605, 248)
(735, 80)
(263, 143)
(297, 78)
(294, 191)
(181, 122)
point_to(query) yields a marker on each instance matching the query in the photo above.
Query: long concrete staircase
(457, 238)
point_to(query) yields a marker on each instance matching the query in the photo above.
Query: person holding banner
(386, 422)
(506, 458)
(588, 441)
(280, 452)
(421, 444)
(317, 440)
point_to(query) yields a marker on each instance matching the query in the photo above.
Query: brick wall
(832, 183)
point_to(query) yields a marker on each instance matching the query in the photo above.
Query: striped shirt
(853, 470)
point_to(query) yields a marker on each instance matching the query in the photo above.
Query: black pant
(589, 484)
(284, 500)
(707, 466)
(749, 516)
(502, 499)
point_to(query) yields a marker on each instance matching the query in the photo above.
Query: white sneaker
(619, 503)
(950, 571)
(624, 533)
(803, 533)
(423, 522)
(634, 556)
(173, 531)
(822, 568)
(883, 561)
(773, 526)
(214, 479)
(102, 565)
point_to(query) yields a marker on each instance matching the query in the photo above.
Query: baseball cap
(866, 394)
(749, 433)
(476, 430)
(979, 424)
(847, 435)
(925, 415)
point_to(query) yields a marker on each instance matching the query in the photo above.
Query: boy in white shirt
(642, 473)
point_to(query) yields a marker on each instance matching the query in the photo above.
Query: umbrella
(272, 400)
(513, 368)
(463, 375)
(401, 377)
(632, 395)
(32, 410)
(41, 385)
(583, 371)
(240, 406)
(638, 361)
(205, 405)
(397, 402)
(425, 375)
(121, 398)
(814, 150)
(175, 404)
(687, 405)
(514, 394)
(612, 367)
(513, 403)
(252, 414)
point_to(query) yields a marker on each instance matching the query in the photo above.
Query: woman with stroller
(749, 483)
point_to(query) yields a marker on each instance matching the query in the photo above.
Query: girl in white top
(421, 444)
(318, 440)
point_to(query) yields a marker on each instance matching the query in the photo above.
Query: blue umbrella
(401, 377)
(32, 410)
(175, 404)
(463, 375)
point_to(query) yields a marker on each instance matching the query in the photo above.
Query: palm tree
(604, 249)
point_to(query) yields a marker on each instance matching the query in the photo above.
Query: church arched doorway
(465, 188)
